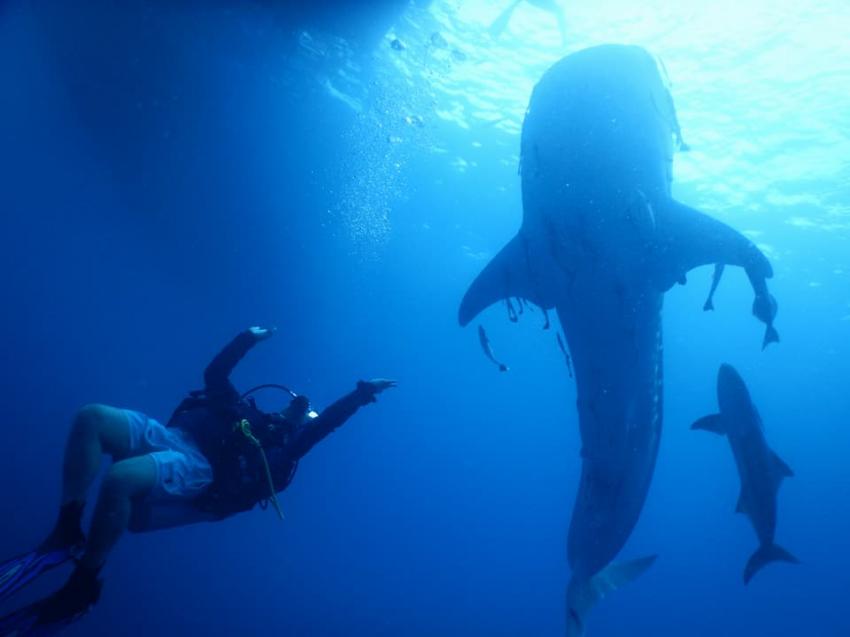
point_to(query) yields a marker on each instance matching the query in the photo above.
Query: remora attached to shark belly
(601, 241)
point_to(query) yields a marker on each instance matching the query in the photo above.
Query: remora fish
(488, 350)
(715, 281)
(601, 241)
(760, 469)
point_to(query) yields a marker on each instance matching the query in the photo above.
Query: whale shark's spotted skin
(601, 241)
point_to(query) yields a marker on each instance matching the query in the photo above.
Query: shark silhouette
(601, 241)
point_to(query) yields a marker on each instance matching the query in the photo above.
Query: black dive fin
(57, 611)
(687, 238)
(20, 571)
(506, 276)
(713, 423)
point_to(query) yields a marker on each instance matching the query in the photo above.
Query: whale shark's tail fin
(583, 594)
(765, 555)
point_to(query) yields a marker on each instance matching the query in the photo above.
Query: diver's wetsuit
(283, 443)
(221, 390)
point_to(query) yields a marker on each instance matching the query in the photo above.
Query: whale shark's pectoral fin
(687, 239)
(713, 423)
(507, 275)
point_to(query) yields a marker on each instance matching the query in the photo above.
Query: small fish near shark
(487, 348)
(715, 281)
(760, 469)
(601, 241)
(764, 307)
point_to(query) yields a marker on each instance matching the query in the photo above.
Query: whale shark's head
(732, 393)
(597, 146)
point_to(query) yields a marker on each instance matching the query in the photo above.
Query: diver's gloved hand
(371, 388)
(262, 333)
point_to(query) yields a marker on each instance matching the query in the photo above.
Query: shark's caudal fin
(765, 555)
(764, 309)
(584, 594)
(770, 336)
(506, 276)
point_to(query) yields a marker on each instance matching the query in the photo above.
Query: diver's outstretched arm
(335, 415)
(217, 374)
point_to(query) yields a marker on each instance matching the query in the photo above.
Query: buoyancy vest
(245, 446)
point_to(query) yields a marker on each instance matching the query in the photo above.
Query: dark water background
(172, 173)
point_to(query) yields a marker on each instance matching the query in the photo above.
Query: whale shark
(760, 469)
(601, 241)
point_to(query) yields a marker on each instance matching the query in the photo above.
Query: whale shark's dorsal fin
(779, 471)
(780, 468)
(507, 275)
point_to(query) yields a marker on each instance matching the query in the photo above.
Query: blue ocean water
(175, 172)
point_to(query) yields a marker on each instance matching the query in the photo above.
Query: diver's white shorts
(182, 474)
(182, 471)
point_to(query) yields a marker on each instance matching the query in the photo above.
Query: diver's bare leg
(97, 430)
(124, 481)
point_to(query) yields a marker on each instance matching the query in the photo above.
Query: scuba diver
(218, 455)
(551, 6)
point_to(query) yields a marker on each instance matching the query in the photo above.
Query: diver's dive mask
(297, 412)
